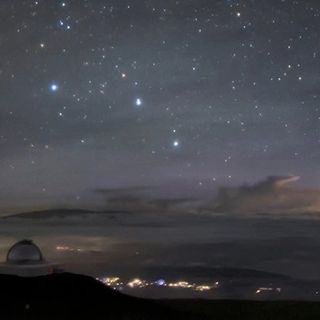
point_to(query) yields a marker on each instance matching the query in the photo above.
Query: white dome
(24, 251)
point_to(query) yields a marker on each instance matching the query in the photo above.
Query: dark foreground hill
(249, 310)
(70, 296)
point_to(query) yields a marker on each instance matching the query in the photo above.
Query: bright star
(138, 102)
(176, 143)
(54, 87)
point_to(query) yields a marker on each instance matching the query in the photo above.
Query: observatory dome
(24, 251)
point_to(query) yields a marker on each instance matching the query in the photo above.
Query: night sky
(103, 94)
(155, 106)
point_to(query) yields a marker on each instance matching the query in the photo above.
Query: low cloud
(142, 199)
(273, 195)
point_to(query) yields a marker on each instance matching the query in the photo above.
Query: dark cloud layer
(134, 242)
(273, 195)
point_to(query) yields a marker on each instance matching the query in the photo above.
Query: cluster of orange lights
(115, 282)
(67, 248)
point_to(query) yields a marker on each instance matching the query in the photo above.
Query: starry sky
(190, 118)
(181, 95)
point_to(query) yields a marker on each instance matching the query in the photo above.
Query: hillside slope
(71, 296)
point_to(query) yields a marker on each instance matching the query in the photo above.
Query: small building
(25, 259)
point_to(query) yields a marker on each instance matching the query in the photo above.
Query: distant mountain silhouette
(214, 273)
(62, 213)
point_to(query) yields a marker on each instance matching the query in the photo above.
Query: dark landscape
(71, 296)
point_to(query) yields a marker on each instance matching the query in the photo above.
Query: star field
(100, 94)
